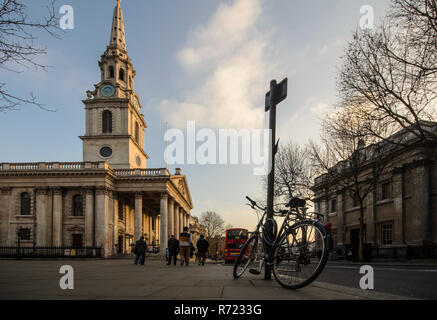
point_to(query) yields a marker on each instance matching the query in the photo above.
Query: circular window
(106, 152)
(138, 161)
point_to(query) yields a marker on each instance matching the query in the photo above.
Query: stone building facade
(400, 214)
(111, 198)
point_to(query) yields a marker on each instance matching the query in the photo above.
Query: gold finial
(118, 2)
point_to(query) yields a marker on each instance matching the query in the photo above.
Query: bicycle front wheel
(249, 257)
(301, 254)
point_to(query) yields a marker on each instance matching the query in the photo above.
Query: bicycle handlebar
(253, 203)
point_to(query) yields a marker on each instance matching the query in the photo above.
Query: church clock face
(107, 91)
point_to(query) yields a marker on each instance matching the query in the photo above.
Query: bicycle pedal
(254, 271)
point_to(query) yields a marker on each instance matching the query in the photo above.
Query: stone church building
(400, 212)
(111, 198)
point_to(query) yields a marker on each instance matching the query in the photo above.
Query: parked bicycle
(297, 253)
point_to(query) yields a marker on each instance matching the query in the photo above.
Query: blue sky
(208, 61)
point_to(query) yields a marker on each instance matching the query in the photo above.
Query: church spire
(118, 38)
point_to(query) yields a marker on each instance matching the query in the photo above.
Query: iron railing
(50, 252)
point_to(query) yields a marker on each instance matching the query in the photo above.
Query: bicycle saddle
(296, 203)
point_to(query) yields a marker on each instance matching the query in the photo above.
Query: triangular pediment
(181, 184)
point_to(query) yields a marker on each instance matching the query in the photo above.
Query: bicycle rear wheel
(250, 256)
(301, 254)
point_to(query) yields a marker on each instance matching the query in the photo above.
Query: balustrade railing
(83, 165)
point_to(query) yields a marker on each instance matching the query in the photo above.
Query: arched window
(107, 121)
(137, 132)
(78, 206)
(111, 72)
(121, 74)
(25, 204)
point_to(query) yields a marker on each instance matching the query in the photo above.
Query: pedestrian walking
(202, 249)
(185, 244)
(173, 249)
(140, 250)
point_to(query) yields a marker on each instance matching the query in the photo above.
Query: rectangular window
(120, 210)
(387, 233)
(24, 234)
(333, 205)
(153, 223)
(386, 191)
(354, 200)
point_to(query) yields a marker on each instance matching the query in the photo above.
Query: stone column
(163, 236)
(149, 228)
(340, 217)
(115, 203)
(179, 220)
(89, 218)
(397, 195)
(5, 217)
(102, 221)
(370, 216)
(422, 196)
(138, 225)
(176, 221)
(57, 217)
(111, 222)
(43, 224)
(170, 217)
(158, 227)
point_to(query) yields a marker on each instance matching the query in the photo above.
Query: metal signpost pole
(278, 92)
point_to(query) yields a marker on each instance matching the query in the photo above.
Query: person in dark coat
(202, 249)
(173, 250)
(140, 251)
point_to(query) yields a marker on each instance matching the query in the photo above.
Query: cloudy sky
(208, 61)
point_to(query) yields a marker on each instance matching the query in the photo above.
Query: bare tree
(213, 224)
(420, 17)
(350, 158)
(18, 48)
(391, 71)
(293, 173)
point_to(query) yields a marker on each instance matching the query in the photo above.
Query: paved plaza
(121, 279)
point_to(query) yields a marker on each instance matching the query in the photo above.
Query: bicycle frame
(268, 256)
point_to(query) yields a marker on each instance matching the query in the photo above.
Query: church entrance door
(77, 241)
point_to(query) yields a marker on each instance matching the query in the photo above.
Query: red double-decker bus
(235, 238)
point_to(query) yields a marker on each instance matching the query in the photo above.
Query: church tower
(114, 124)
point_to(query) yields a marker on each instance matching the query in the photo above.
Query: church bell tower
(114, 124)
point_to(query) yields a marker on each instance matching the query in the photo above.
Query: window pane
(25, 204)
(24, 234)
(107, 122)
(78, 206)
(387, 234)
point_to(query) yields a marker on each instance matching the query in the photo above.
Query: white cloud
(228, 57)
